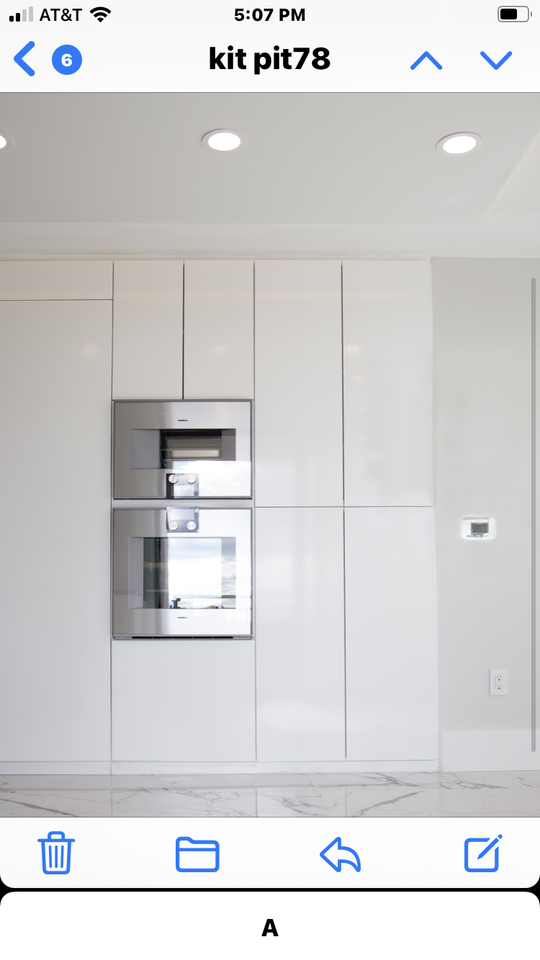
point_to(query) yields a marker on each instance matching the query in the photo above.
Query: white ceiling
(321, 174)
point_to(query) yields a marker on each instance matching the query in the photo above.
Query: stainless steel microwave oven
(182, 449)
(182, 571)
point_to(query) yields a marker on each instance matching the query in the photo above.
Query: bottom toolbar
(234, 853)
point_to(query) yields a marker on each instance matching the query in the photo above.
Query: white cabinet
(55, 375)
(147, 350)
(218, 330)
(299, 631)
(56, 279)
(387, 341)
(298, 405)
(391, 633)
(181, 700)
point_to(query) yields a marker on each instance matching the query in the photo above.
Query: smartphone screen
(281, 264)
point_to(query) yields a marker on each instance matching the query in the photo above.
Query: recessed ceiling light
(459, 143)
(5, 140)
(222, 139)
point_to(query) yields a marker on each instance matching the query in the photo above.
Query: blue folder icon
(196, 856)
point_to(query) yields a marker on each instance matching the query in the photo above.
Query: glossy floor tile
(309, 800)
(179, 801)
(60, 803)
(511, 794)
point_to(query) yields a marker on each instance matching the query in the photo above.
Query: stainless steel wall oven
(182, 568)
(182, 572)
(182, 449)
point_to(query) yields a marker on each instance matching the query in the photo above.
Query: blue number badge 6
(67, 59)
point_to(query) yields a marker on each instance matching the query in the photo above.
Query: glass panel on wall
(189, 573)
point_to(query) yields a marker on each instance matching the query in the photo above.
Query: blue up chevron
(423, 57)
(492, 62)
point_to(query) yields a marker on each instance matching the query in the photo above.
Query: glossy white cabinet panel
(218, 330)
(183, 700)
(55, 378)
(391, 633)
(147, 350)
(387, 347)
(298, 409)
(299, 634)
(55, 280)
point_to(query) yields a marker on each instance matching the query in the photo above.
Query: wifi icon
(100, 13)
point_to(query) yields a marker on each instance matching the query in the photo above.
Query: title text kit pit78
(277, 59)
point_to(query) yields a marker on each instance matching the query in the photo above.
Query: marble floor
(501, 794)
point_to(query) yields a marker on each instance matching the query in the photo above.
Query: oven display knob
(191, 525)
(191, 478)
(173, 525)
(173, 478)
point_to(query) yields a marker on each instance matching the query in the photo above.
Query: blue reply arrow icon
(331, 855)
(18, 58)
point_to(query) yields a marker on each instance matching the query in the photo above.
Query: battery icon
(513, 14)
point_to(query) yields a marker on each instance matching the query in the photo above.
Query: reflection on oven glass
(177, 446)
(196, 573)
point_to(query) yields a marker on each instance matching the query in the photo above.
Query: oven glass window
(196, 573)
(180, 445)
(165, 449)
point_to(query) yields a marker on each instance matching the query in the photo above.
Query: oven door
(182, 572)
(182, 449)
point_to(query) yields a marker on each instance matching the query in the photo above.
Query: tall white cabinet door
(181, 700)
(218, 330)
(391, 633)
(298, 406)
(299, 630)
(147, 349)
(387, 341)
(55, 381)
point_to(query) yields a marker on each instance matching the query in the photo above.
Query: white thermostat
(478, 528)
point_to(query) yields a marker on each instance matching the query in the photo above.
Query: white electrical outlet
(498, 683)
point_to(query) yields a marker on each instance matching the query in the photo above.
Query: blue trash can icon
(56, 852)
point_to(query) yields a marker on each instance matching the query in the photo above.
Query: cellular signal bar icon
(25, 15)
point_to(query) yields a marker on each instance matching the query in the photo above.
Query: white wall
(482, 319)
(56, 280)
